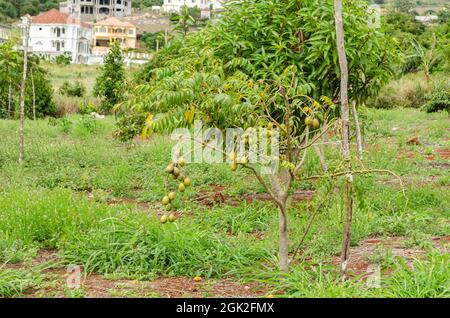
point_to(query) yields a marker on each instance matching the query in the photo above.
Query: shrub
(409, 91)
(88, 123)
(65, 124)
(87, 108)
(44, 102)
(439, 100)
(64, 59)
(129, 126)
(77, 89)
(66, 105)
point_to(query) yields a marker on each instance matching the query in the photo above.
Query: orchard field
(83, 198)
(332, 180)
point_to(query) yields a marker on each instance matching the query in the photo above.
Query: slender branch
(311, 220)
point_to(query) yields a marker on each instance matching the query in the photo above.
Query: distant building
(53, 33)
(112, 29)
(176, 5)
(5, 33)
(427, 19)
(95, 10)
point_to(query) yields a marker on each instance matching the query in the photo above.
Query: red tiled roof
(53, 16)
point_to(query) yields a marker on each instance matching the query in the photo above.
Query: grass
(85, 74)
(61, 199)
(14, 282)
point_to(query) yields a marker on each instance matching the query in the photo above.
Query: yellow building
(111, 29)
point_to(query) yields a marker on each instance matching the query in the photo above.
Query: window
(131, 32)
(40, 29)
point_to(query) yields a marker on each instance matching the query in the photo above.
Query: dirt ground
(58, 278)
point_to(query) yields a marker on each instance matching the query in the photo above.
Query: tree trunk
(345, 135)
(22, 92)
(9, 99)
(34, 94)
(283, 239)
(359, 141)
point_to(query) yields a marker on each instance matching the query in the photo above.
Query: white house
(427, 19)
(175, 5)
(53, 33)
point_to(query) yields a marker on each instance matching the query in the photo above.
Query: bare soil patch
(360, 256)
(97, 286)
(216, 194)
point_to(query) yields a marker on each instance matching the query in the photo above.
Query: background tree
(153, 40)
(143, 4)
(9, 71)
(183, 21)
(16, 8)
(11, 62)
(403, 5)
(110, 84)
(43, 99)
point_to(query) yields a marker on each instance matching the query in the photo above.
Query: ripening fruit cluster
(235, 160)
(175, 170)
(312, 122)
(248, 140)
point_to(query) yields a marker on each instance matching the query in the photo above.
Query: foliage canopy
(222, 71)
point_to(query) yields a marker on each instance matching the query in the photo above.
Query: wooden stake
(22, 91)
(345, 114)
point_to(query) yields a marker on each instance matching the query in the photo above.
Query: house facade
(53, 33)
(112, 29)
(95, 10)
(176, 5)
